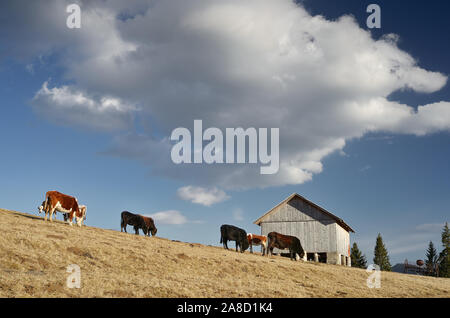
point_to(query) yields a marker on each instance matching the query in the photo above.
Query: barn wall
(343, 241)
(316, 230)
(315, 236)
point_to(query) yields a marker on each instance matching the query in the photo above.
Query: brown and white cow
(83, 209)
(56, 201)
(254, 239)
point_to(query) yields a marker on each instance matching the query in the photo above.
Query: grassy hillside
(34, 256)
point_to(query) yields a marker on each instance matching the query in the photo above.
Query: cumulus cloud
(256, 63)
(203, 196)
(66, 105)
(171, 217)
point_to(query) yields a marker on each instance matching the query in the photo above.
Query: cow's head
(153, 231)
(245, 244)
(41, 207)
(82, 209)
(80, 215)
(302, 254)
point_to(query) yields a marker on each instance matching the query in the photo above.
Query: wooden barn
(324, 236)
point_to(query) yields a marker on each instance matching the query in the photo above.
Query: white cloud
(171, 217)
(66, 105)
(256, 63)
(203, 196)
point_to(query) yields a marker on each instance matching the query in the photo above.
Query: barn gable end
(297, 210)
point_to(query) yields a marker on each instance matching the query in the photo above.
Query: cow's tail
(47, 203)
(221, 234)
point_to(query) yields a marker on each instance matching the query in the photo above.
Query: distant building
(324, 236)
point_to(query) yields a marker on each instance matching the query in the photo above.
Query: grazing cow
(282, 242)
(136, 220)
(56, 201)
(44, 206)
(83, 213)
(254, 239)
(233, 233)
(150, 225)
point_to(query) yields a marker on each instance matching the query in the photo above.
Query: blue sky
(385, 178)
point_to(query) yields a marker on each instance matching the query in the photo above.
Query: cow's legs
(251, 248)
(123, 224)
(70, 219)
(136, 229)
(270, 250)
(79, 220)
(241, 245)
(51, 214)
(225, 245)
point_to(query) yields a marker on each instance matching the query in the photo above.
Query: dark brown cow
(136, 220)
(56, 201)
(282, 242)
(150, 225)
(233, 233)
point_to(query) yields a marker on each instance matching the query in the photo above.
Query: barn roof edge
(293, 195)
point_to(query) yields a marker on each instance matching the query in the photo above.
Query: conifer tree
(381, 257)
(444, 266)
(431, 256)
(358, 260)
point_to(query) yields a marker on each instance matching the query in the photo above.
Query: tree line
(381, 256)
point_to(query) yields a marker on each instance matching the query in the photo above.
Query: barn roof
(296, 195)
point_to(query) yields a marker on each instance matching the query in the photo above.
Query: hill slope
(34, 256)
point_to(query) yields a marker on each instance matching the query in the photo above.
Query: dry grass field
(34, 256)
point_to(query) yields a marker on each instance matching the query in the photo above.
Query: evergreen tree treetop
(381, 257)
